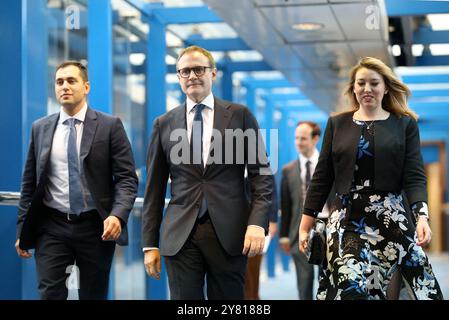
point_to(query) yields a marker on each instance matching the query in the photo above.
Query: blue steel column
(34, 97)
(99, 54)
(155, 106)
(285, 141)
(10, 140)
(251, 100)
(24, 79)
(99, 57)
(226, 83)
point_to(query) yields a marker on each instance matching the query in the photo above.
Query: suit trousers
(61, 244)
(203, 258)
(304, 273)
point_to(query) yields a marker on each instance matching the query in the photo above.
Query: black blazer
(398, 164)
(223, 185)
(108, 165)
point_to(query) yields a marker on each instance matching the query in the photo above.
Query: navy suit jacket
(108, 164)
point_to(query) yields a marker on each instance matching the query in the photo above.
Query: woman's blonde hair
(395, 100)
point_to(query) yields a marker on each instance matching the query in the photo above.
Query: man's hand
(254, 241)
(152, 261)
(22, 253)
(423, 231)
(111, 228)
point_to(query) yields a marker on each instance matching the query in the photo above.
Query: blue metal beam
(426, 78)
(155, 106)
(429, 105)
(397, 8)
(251, 100)
(246, 66)
(11, 82)
(427, 36)
(185, 15)
(232, 66)
(266, 83)
(430, 93)
(226, 80)
(220, 44)
(285, 97)
(143, 6)
(427, 60)
(99, 44)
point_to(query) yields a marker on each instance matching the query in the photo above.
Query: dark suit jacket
(108, 164)
(291, 201)
(398, 164)
(221, 184)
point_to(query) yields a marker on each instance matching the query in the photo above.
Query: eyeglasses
(198, 70)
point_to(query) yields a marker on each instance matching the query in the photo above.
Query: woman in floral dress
(379, 220)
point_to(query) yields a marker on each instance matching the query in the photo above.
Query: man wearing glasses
(209, 227)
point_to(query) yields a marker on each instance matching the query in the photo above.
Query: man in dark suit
(78, 188)
(296, 176)
(209, 226)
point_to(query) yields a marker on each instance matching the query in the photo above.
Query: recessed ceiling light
(308, 26)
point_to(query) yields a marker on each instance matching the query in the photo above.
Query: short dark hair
(81, 67)
(316, 130)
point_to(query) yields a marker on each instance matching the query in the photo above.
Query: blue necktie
(197, 138)
(75, 190)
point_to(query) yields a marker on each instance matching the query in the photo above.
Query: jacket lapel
(178, 121)
(90, 126)
(178, 118)
(47, 141)
(352, 132)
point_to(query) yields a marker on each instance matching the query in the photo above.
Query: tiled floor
(283, 285)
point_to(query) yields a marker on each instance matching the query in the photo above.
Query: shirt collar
(208, 102)
(81, 115)
(313, 158)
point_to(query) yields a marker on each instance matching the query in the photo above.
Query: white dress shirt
(302, 162)
(57, 188)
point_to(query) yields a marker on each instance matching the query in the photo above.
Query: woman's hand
(423, 231)
(306, 225)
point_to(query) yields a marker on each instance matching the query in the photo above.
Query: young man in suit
(78, 188)
(296, 176)
(209, 227)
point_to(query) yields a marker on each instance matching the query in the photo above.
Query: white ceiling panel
(317, 62)
(371, 49)
(283, 18)
(249, 22)
(325, 54)
(287, 3)
(301, 78)
(332, 77)
(365, 22)
(282, 57)
(354, 1)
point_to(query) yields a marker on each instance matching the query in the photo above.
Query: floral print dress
(370, 235)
